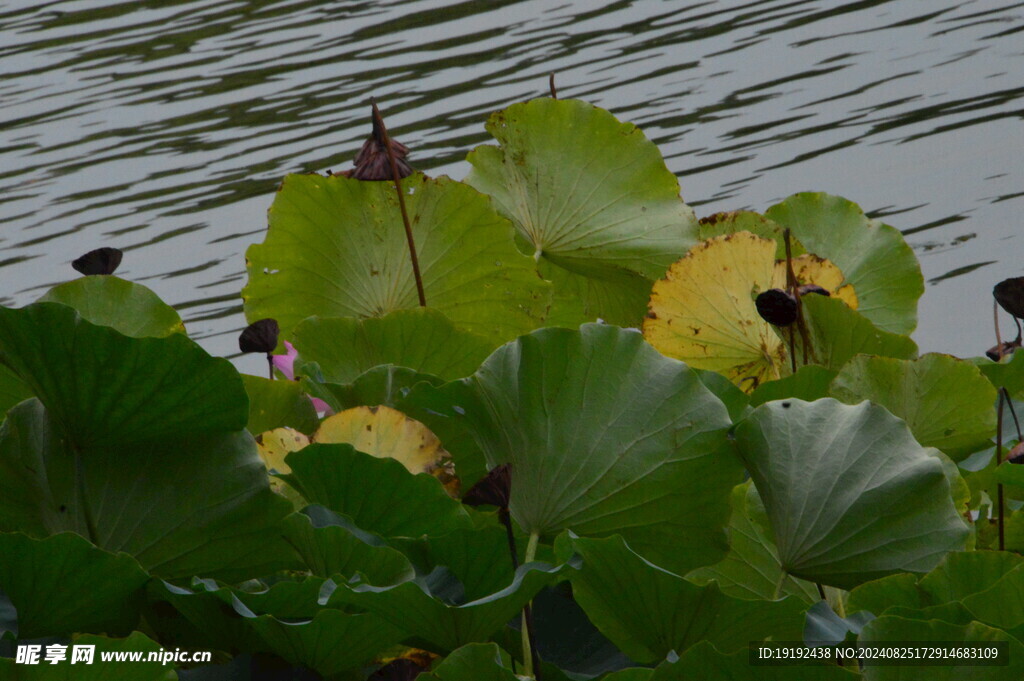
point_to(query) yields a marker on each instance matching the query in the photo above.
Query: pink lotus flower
(286, 365)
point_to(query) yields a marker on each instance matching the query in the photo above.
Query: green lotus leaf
(422, 339)
(963, 574)
(605, 435)
(106, 389)
(12, 389)
(282, 599)
(1001, 604)
(704, 661)
(277, 404)
(198, 618)
(224, 521)
(982, 581)
(629, 674)
(99, 670)
(102, 591)
(878, 595)
(117, 418)
(433, 609)
(751, 569)
(1010, 474)
(873, 256)
(734, 399)
(748, 221)
(851, 496)
(648, 612)
(890, 628)
(478, 557)
(592, 200)
(472, 662)
(1007, 374)
(442, 409)
(386, 385)
(837, 334)
(809, 383)
(330, 545)
(567, 639)
(824, 625)
(329, 642)
(131, 308)
(378, 494)
(946, 402)
(337, 247)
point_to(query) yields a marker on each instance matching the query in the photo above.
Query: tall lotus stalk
(380, 137)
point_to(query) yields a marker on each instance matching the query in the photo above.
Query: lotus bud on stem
(378, 127)
(261, 336)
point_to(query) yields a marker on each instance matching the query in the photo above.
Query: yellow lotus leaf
(385, 432)
(703, 311)
(811, 269)
(273, 446)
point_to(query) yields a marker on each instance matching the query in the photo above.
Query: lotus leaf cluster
(568, 444)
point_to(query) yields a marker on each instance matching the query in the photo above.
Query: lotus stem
(531, 659)
(1013, 413)
(793, 286)
(378, 120)
(999, 434)
(999, 460)
(551, 85)
(270, 365)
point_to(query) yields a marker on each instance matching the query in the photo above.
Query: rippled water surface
(163, 128)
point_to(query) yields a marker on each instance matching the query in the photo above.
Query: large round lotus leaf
(105, 388)
(873, 256)
(99, 669)
(422, 339)
(588, 194)
(703, 311)
(946, 402)
(131, 308)
(851, 496)
(384, 432)
(336, 247)
(648, 612)
(101, 592)
(605, 436)
(220, 519)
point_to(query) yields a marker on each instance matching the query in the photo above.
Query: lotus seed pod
(777, 307)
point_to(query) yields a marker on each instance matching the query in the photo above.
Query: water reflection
(163, 128)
